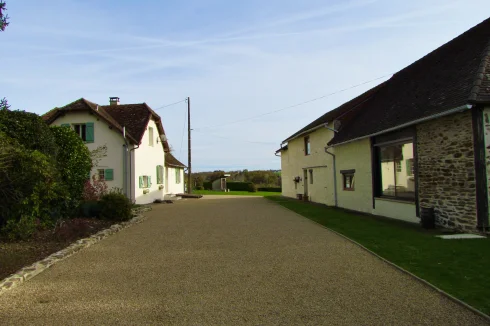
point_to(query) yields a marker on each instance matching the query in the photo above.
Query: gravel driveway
(226, 262)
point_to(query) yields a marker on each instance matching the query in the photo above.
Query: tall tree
(3, 17)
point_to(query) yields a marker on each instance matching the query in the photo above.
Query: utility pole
(189, 164)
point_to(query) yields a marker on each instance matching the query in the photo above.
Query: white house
(138, 159)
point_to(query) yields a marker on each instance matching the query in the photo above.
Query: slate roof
(342, 111)
(170, 160)
(454, 75)
(134, 117)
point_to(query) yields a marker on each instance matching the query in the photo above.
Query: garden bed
(15, 255)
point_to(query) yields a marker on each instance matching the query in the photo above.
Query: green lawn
(459, 267)
(241, 193)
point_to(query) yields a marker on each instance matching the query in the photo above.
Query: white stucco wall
(146, 159)
(103, 135)
(294, 162)
(486, 121)
(399, 210)
(355, 155)
(173, 186)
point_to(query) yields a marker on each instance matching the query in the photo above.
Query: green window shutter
(158, 174)
(109, 174)
(141, 182)
(149, 181)
(65, 125)
(90, 132)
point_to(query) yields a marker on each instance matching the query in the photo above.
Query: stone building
(420, 139)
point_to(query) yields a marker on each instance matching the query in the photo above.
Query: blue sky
(235, 59)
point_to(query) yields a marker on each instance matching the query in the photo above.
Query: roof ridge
(480, 73)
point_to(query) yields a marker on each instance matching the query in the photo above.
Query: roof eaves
(462, 108)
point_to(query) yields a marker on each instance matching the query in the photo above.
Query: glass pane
(84, 132)
(387, 166)
(405, 180)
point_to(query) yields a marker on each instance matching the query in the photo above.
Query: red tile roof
(170, 160)
(134, 117)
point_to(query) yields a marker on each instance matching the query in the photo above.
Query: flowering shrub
(95, 189)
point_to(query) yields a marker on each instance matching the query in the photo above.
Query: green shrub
(29, 186)
(238, 186)
(270, 189)
(73, 162)
(252, 188)
(199, 188)
(115, 206)
(208, 185)
(29, 130)
(22, 229)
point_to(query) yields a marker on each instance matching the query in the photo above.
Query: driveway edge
(32, 270)
(449, 296)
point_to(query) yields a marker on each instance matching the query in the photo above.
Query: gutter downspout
(131, 172)
(334, 169)
(334, 174)
(125, 165)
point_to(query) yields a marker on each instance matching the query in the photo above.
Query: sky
(236, 60)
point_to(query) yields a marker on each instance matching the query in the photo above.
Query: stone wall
(486, 121)
(446, 170)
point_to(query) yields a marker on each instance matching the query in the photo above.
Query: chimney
(114, 101)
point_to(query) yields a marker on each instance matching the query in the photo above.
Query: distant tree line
(260, 178)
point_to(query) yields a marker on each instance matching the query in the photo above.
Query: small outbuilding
(219, 184)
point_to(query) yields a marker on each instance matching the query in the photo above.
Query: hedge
(270, 189)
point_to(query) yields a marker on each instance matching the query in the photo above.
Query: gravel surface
(223, 262)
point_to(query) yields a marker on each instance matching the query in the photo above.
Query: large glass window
(395, 163)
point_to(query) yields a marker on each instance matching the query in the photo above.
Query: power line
(295, 105)
(233, 139)
(165, 106)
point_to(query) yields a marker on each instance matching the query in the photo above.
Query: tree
(29, 130)
(73, 161)
(3, 18)
(4, 104)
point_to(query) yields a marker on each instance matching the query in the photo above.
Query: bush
(115, 206)
(29, 130)
(252, 188)
(208, 185)
(73, 162)
(21, 229)
(270, 189)
(30, 188)
(199, 188)
(93, 191)
(238, 186)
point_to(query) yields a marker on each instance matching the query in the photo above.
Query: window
(159, 174)
(398, 166)
(85, 131)
(150, 135)
(311, 176)
(105, 174)
(410, 167)
(393, 181)
(307, 145)
(177, 176)
(145, 181)
(348, 179)
(101, 174)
